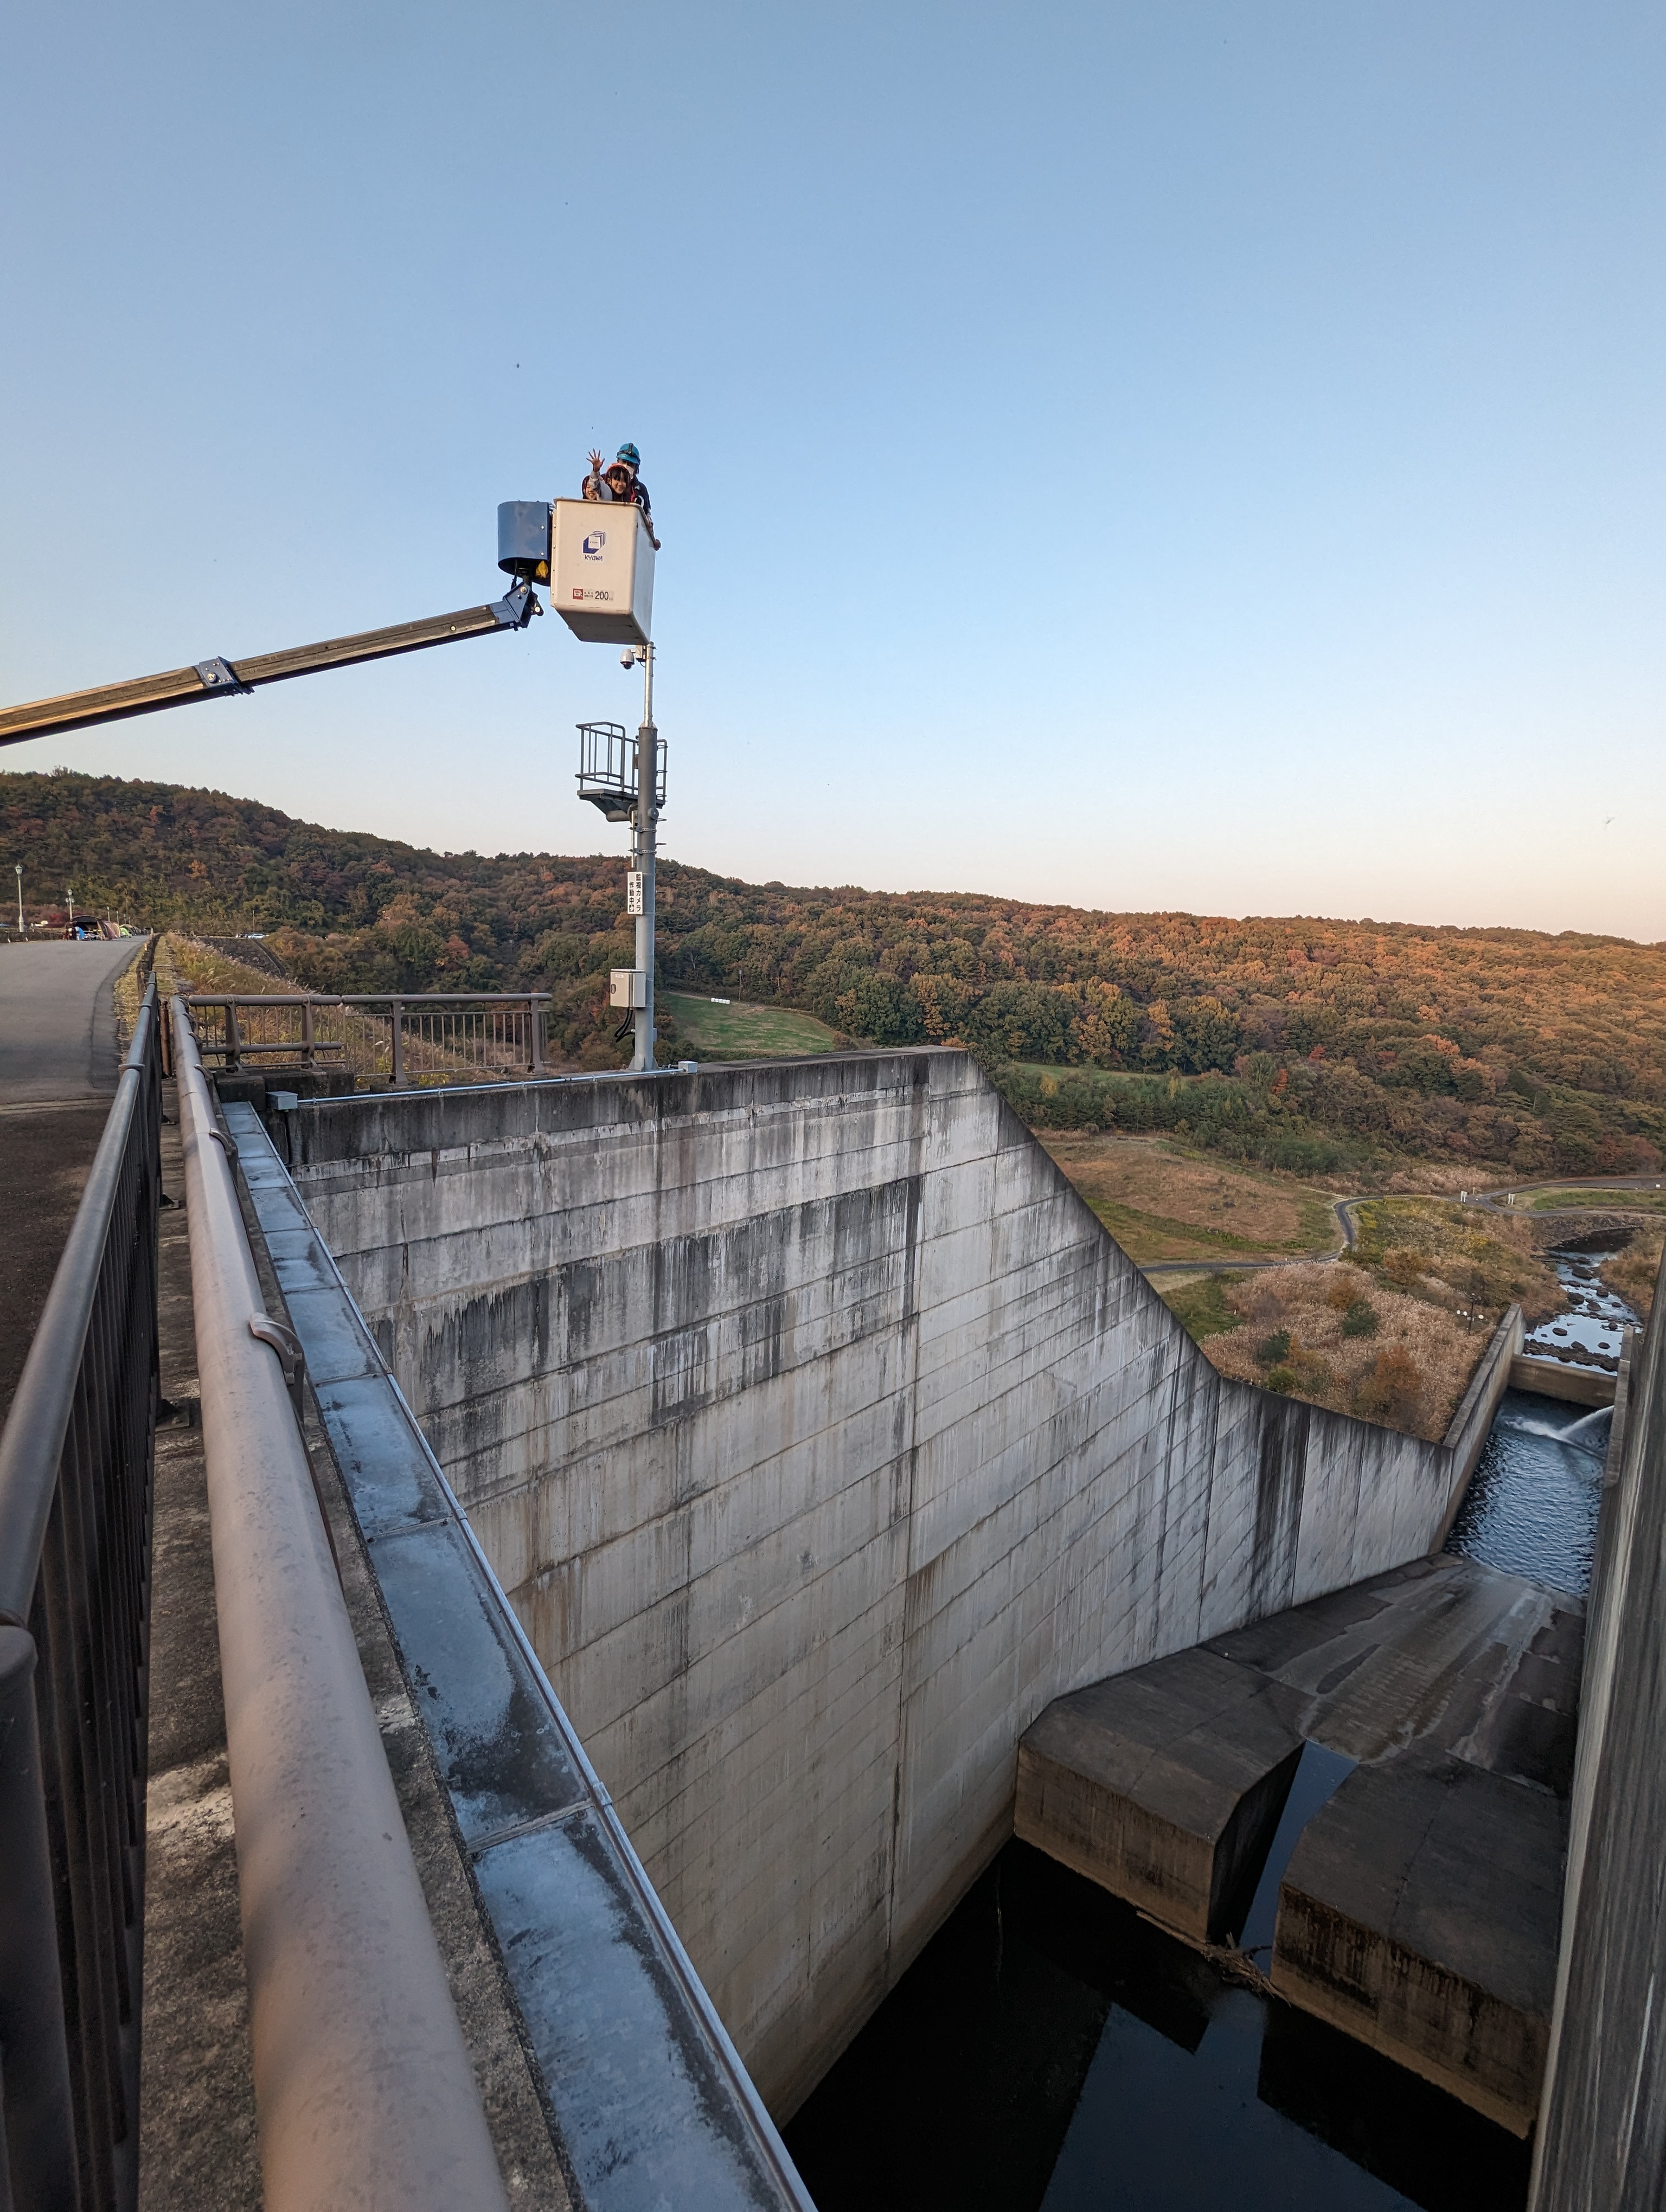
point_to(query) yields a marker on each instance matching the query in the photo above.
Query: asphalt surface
(58, 1020)
(1499, 1198)
(58, 1062)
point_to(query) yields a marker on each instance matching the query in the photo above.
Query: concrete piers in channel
(1422, 1908)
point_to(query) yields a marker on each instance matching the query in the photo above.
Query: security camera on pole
(597, 558)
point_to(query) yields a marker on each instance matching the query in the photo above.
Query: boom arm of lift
(222, 679)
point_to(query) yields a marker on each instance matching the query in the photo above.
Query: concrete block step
(1420, 1913)
(1164, 1786)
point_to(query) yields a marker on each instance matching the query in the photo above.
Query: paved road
(1499, 1198)
(58, 1062)
(57, 1021)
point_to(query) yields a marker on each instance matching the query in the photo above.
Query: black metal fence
(75, 1463)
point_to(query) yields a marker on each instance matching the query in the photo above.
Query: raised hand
(595, 465)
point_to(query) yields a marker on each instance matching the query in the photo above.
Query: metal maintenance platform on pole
(608, 774)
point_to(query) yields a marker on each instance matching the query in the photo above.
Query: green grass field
(1144, 1235)
(1161, 1200)
(1632, 1201)
(740, 1031)
(1201, 1308)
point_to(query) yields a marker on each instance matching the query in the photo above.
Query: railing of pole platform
(76, 1487)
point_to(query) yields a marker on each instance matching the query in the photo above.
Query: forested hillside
(1304, 1043)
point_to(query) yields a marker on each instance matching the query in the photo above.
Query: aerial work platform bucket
(602, 584)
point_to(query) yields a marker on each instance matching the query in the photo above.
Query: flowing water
(1589, 1326)
(1050, 2051)
(1532, 1504)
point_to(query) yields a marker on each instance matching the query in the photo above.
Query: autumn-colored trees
(1274, 1038)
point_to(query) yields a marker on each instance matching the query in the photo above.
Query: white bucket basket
(603, 586)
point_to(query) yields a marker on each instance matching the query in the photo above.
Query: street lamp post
(69, 894)
(17, 870)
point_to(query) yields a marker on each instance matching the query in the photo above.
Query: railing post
(40, 2130)
(307, 1038)
(535, 1023)
(75, 1516)
(233, 1036)
(399, 1044)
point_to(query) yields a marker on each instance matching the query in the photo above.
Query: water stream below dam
(1532, 1504)
(1051, 2051)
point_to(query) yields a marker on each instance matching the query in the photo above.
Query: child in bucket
(619, 481)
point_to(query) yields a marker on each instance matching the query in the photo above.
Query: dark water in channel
(1050, 2051)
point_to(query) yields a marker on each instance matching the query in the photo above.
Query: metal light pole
(17, 870)
(69, 893)
(598, 564)
(643, 826)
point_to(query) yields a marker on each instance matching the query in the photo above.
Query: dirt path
(1341, 1207)
(1494, 1200)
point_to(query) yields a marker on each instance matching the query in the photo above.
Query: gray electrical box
(628, 986)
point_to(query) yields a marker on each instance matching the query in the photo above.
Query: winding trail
(1496, 1201)
(1341, 1207)
(1492, 1200)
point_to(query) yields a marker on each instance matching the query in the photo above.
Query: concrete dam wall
(1602, 2139)
(821, 1435)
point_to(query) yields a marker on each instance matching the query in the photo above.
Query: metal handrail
(76, 1480)
(375, 1467)
(401, 1006)
(364, 2091)
(609, 770)
(365, 998)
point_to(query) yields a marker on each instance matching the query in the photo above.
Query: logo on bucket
(593, 544)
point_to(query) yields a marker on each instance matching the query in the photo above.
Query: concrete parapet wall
(1552, 1379)
(821, 1437)
(1602, 2144)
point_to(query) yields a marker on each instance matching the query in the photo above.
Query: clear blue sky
(1179, 455)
